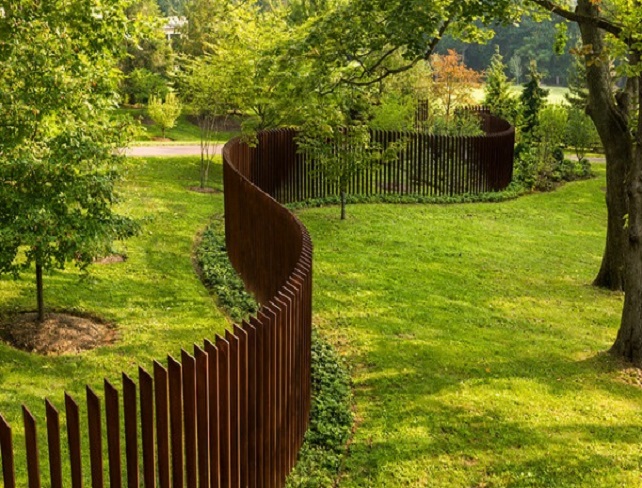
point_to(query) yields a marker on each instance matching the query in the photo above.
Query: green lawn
(477, 344)
(475, 341)
(555, 93)
(184, 132)
(155, 298)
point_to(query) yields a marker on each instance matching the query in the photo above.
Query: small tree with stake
(339, 153)
(58, 137)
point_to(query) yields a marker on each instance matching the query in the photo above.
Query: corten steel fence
(426, 165)
(233, 413)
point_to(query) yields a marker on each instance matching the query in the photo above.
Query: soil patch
(59, 333)
(198, 189)
(161, 139)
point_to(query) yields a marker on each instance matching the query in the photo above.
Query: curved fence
(426, 165)
(235, 411)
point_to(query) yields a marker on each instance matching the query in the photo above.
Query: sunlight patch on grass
(476, 342)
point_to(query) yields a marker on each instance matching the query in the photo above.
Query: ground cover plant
(154, 299)
(331, 411)
(477, 343)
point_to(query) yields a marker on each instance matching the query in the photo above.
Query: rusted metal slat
(73, 440)
(202, 416)
(146, 391)
(235, 417)
(95, 439)
(223, 348)
(53, 444)
(31, 444)
(161, 399)
(189, 418)
(112, 417)
(214, 422)
(6, 451)
(175, 373)
(131, 431)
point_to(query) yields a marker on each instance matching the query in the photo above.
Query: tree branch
(358, 81)
(386, 72)
(601, 23)
(435, 40)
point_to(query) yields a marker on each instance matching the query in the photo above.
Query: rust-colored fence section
(231, 413)
(426, 165)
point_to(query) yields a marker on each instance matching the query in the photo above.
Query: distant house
(173, 26)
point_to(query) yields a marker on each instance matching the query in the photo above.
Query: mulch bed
(59, 333)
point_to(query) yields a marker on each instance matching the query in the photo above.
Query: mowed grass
(556, 94)
(184, 132)
(154, 299)
(475, 340)
(477, 343)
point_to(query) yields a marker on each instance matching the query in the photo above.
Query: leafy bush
(497, 94)
(513, 190)
(141, 84)
(525, 169)
(534, 173)
(581, 134)
(220, 277)
(396, 112)
(461, 123)
(330, 420)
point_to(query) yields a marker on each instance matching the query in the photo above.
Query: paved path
(185, 150)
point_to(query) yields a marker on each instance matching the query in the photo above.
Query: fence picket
(146, 391)
(6, 452)
(73, 439)
(131, 431)
(175, 373)
(202, 416)
(113, 435)
(214, 418)
(224, 410)
(95, 439)
(161, 399)
(31, 443)
(53, 445)
(189, 418)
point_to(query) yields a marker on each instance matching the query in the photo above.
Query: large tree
(608, 30)
(610, 110)
(58, 137)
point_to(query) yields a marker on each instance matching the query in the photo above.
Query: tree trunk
(202, 169)
(611, 122)
(343, 205)
(40, 294)
(628, 343)
(611, 273)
